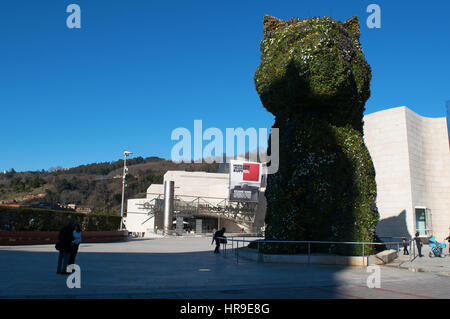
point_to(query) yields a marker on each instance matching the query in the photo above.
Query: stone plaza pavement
(412, 262)
(187, 268)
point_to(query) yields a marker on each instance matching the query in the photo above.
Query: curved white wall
(411, 156)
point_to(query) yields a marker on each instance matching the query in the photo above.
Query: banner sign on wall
(245, 181)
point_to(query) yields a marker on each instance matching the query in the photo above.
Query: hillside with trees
(97, 186)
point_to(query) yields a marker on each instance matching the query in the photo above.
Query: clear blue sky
(136, 70)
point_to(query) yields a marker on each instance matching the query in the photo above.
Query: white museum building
(411, 155)
(198, 196)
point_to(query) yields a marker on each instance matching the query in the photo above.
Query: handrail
(309, 242)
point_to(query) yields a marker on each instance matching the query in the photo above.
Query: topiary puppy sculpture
(314, 78)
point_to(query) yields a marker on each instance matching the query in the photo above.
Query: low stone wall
(384, 257)
(325, 259)
(10, 238)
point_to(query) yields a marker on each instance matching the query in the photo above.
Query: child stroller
(436, 248)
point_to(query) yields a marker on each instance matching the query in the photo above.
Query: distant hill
(97, 185)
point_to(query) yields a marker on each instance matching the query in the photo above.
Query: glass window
(423, 218)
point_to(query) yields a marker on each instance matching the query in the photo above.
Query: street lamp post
(125, 170)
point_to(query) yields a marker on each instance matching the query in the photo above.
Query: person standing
(418, 244)
(448, 239)
(405, 246)
(213, 235)
(75, 243)
(64, 244)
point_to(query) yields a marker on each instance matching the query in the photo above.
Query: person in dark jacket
(405, 246)
(418, 244)
(218, 237)
(65, 239)
(448, 239)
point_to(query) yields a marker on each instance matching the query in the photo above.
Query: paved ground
(187, 268)
(434, 265)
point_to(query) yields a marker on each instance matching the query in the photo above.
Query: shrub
(52, 220)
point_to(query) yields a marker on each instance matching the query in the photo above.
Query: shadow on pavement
(27, 274)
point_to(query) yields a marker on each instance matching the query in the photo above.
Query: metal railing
(190, 205)
(242, 240)
(411, 247)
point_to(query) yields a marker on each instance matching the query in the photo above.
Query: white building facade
(411, 156)
(197, 188)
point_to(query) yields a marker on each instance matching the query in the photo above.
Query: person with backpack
(64, 245)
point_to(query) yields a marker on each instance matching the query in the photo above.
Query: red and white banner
(245, 181)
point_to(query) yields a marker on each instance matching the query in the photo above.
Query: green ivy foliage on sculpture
(314, 78)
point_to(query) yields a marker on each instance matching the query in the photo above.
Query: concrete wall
(252, 254)
(214, 186)
(154, 189)
(412, 163)
(137, 219)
